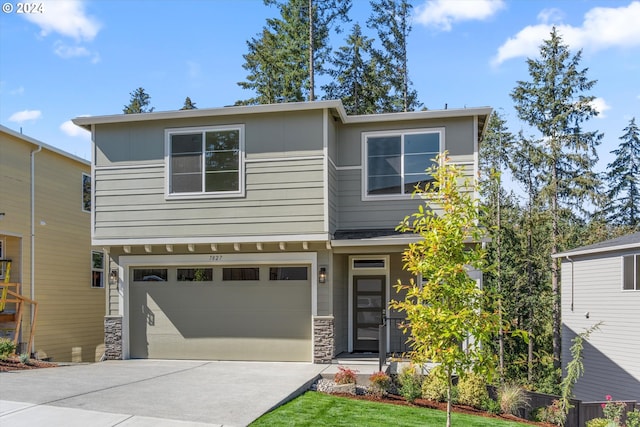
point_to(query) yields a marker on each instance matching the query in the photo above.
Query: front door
(368, 308)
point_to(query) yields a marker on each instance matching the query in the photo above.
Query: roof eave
(596, 250)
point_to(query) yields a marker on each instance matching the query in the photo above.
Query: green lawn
(319, 409)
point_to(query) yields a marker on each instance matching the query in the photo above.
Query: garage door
(221, 313)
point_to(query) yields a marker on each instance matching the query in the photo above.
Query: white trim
(365, 272)
(401, 133)
(126, 262)
(349, 168)
(282, 159)
(634, 269)
(325, 169)
(136, 166)
(203, 194)
(375, 241)
(208, 240)
(596, 250)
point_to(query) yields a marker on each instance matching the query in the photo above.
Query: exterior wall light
(113, 277)
(322, 275)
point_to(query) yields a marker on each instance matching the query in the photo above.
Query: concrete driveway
(150, 393)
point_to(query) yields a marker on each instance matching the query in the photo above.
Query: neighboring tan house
(45, 231)
(601, 283)
(260, 232)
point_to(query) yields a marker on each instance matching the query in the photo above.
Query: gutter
(33, 232)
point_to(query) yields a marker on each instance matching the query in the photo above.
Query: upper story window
(86, 193)
(631, 273)
(395, 161)
(205, 161)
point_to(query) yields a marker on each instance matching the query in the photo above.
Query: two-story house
(46, 253)
(260, 232)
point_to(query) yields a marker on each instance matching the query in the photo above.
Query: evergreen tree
(355, 77)
(623, 177)
(188, 104)
(553, 102)
(139, 102)
(284, 60)
(391, 20)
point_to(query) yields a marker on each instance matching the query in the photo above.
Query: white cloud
(600, 105)
(25, 116)
(75, 131)
(602, 28)
(441, 14)
(66, 51)
(549, 16)
(67, 18)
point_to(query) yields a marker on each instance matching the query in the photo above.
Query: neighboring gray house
(601, 283)
(260, 232)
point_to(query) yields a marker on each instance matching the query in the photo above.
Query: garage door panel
(266, 320)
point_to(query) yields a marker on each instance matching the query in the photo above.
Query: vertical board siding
(610, 354)
(282, 197)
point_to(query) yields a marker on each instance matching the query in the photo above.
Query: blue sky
(74, 58)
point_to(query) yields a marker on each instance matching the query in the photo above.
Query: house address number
(215, 257)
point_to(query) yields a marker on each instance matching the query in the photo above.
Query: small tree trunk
(449, 387)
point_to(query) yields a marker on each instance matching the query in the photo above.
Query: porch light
(322, 275)
(113, 277)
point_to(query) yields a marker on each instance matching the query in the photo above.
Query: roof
(335, 105)
(628, 241)
(34, 141)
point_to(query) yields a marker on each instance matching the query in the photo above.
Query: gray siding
(286, 194)
(611, 353)
(341, 302)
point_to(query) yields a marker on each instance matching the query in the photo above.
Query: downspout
(571, 261)
(33, 234)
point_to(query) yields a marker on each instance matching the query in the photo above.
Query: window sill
(200, 196)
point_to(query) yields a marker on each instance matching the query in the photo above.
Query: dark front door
(368, 308)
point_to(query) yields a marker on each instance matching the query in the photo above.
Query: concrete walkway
(154, 393)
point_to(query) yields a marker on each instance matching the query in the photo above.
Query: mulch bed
(14, 364)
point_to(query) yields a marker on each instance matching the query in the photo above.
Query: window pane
(369, 301)
(97, 279)
(368, 263)
(185, 163)
(222, 181)
(186, 143)
(288, 273)
(367, 334)
(627, 271)
(223, 140)
(383, 146)
(222, 161)
(149, 274)
(422, 143)
(374, 317)
(417, 163)
(384, 185)
(377, 166)
(369, 285)
(195, 274)
(242, 273)
(186, 183)
(97, 260)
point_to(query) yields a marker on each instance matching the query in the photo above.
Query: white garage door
(221, 313)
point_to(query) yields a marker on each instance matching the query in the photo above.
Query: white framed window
(205, 161)
(86, 192)
(631, 272)
(97, 269)
(395, 161)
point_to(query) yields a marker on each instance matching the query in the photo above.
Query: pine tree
(391, 20)
(623, 177)
(139, 102)
(553, 102)
(355, 77)
(291, 50)
(188, 104)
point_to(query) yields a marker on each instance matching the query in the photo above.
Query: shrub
(410, 384)
(553, 414)
(380, 383)
(633, 418)
(434, 386)
(613, 410)
(7, 347)
(345, 376)
(491, 406)
(512, 397)
(24, 358)
(597, 422)
(472, 390)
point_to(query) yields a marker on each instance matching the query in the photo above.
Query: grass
(318, 409)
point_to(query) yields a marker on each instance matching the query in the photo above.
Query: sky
(61, 59)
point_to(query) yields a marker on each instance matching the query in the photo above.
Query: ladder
(11, 322)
